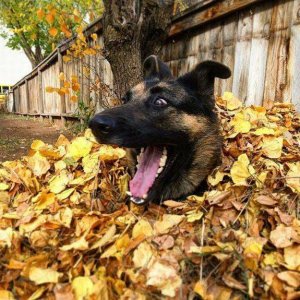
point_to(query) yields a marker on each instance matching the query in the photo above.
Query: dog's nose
(104, 124)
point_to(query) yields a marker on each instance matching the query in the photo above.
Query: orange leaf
(53, 31)
(40, 14)
(74, 98)
(50, 18)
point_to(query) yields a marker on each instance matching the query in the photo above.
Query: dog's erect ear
(155, 68)
(202, 77)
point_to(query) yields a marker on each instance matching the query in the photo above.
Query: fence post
(27, 96)
(41, 94)
(62, 97)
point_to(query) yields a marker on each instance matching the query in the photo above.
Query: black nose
(103, 124)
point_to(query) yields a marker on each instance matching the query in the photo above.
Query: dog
(170, 127)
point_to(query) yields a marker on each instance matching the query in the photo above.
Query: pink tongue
(145, 175)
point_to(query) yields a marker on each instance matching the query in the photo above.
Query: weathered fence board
(258, 40)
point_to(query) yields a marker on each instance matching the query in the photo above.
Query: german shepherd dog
(170, 127)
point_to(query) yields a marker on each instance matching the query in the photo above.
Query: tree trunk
(131, 32)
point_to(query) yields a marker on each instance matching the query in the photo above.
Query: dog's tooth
(162, 161)
(142, 150)
(165, 151)
(137, 166)
(138, 158)
(145, 196)
(156, 175)
(128, 193)
(160, 170)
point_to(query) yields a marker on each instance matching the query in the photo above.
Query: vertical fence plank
(295, 55)
(258, 55)
(277, 83)
(63, 96)
(27, 96)
(242, 55)
(41, 92)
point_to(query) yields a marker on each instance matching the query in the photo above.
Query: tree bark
(132, 30)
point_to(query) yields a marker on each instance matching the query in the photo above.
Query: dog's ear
(155, 68)
(202, 78)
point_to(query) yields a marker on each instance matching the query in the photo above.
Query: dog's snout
(103, 124)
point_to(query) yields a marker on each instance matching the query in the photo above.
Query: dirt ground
(17, 134)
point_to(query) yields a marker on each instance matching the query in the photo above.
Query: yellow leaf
(272, 259)
(82, 287)
(106, 238)
(272, 146)
(90, 163)
(232, 102)
(167, 223)
(6, 295)
(58, 183)
(194, 215)
(252, 252)
(293, 176)
(94, 36)
(37, 144)
(50, 89)
(79, 147)
(264, 131)
(43, 200)
(240, 124)
(37, 294)
(38, 164)
(80, 244)
(62, 76)
(60, 165)
(142, 227)
(3, 186)
(143, 255)
(66, 58)
(65, 194)
(6, 236)
(40, 275)
(107, 152)
(216, 178)
(53, 32)
(241, 170)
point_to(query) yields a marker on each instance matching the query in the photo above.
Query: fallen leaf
(241, 170)
(164, 278)
(41, 276)
(283, 236)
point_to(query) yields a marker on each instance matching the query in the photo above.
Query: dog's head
(161, 120)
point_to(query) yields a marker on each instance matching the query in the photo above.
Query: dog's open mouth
(152, 161)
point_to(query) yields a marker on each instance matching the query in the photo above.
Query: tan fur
(138, 90)
(195, 125)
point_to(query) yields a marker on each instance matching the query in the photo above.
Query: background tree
(37, 26)
(131, 33)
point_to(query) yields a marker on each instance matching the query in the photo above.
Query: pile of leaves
(67, 232)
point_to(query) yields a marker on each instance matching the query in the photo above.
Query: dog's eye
(160, 102)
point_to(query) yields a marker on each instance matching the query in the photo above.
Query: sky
(14, 64)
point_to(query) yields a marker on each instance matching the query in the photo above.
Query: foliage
(37, 26)
(66, 231)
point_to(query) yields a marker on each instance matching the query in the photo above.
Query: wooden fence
(259, 41)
